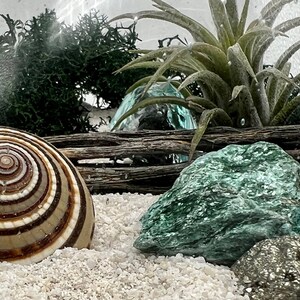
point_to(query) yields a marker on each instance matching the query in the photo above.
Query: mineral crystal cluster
(271, 269)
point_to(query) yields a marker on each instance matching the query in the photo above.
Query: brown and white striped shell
(44, 202)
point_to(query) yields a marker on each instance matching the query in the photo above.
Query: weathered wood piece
(102, 176)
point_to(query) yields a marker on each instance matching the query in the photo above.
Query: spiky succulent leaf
(142, 51)
(199, 109)
(233, 16)
(240, 68)
(143, 81)
(282, 83)
(266, 42)
(185, 91)
(285, 112)
(294, 117)
(216, 56)
(222, 23)
(256, 34)
(272, 9)
(182, 67)
(144, 65)
(257, 58)
(215, 82)
(165, 66)
(243, 19)
(285, 95)
(163, 5)
(288, 25)
(259, 94)
(272, 83)
(204, 60)
(201, 101)
(274, 73)
(247, 108)
(287, 55)
(249, 50)
(196, 62)
(149, 56)
(187, 65)
(261, 102)
(205, 118)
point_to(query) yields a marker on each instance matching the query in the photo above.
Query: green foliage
(43, 99)
(103, 50)
(56, 65)
(228, 67)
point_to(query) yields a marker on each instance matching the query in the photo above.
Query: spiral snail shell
(44, 202)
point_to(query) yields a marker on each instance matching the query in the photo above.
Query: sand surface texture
(113, 269)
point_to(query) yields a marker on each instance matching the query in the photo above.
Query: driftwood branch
(152, 179)
(102, 176)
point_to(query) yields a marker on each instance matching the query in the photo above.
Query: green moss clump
(56, 64)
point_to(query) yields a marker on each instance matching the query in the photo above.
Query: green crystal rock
(224, 203)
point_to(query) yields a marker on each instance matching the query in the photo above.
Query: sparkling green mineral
(224, 203)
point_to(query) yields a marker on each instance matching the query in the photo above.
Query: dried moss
(57, 64)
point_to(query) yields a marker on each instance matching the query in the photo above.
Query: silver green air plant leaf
(228, 67)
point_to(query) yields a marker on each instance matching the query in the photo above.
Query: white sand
(113, 269)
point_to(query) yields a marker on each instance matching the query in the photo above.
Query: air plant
(237, 90)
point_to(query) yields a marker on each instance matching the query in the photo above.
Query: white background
(149, 30)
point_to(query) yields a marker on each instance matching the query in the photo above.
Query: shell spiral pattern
(44, 202)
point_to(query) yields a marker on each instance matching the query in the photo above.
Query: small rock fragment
(272, 267)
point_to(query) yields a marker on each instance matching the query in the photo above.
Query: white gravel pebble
(113, 269)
